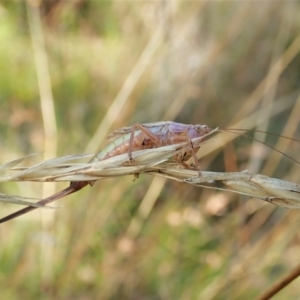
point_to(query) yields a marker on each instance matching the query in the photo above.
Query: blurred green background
(73, 71)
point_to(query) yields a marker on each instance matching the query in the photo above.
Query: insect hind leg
(147, 132)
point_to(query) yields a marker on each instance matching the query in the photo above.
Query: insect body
(153, 135)
(133, 138)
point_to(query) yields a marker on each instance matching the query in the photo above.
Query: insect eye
(201, 128)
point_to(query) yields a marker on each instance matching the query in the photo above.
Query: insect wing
(119, 132)
(153, 127)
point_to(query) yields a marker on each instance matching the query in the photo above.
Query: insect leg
(147, 132)
(178, 139)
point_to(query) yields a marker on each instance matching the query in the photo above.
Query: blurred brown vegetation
(73, 71)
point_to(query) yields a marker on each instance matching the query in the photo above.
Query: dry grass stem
(154, 162)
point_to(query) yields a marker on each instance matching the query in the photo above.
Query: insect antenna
(234, 131)
(261, 131)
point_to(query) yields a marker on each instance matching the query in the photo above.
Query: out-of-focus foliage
(114, 63)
